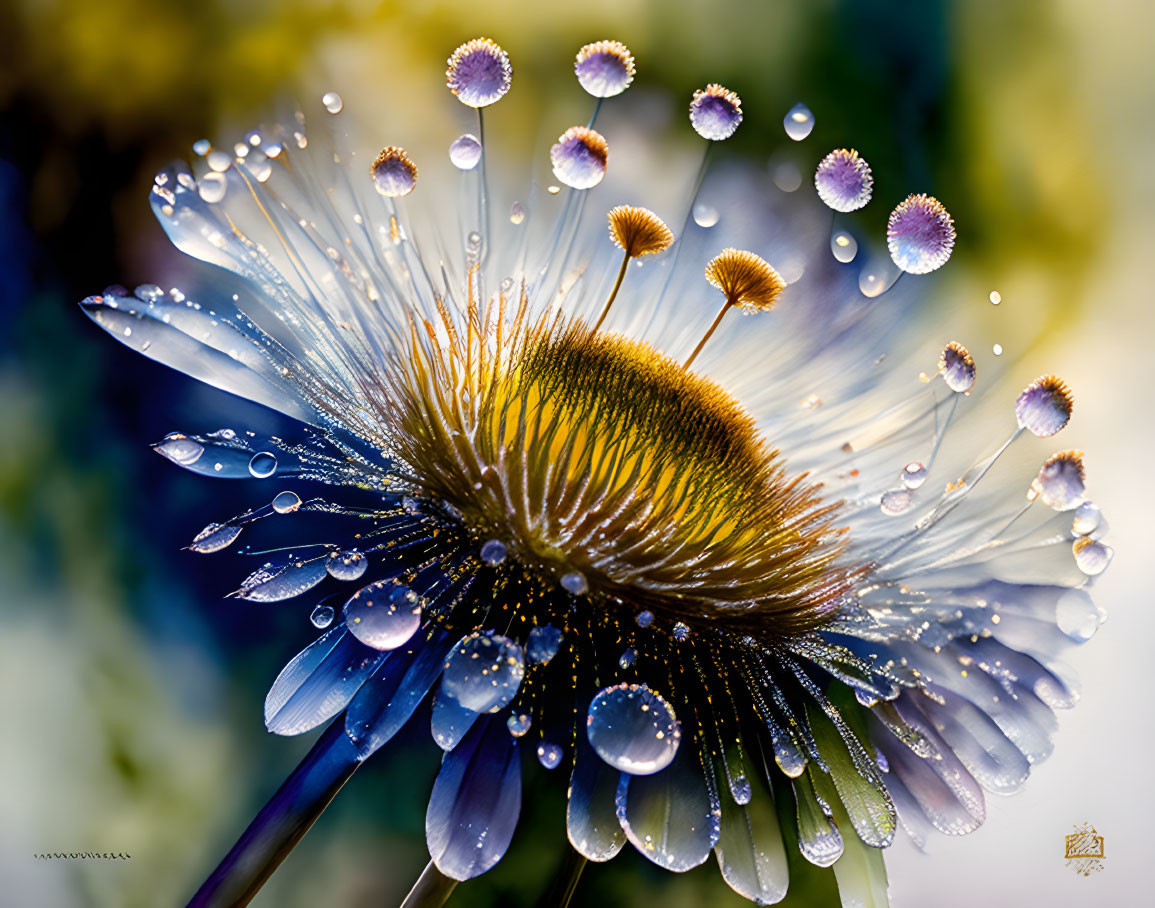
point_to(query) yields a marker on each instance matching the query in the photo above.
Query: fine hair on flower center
(594, 454)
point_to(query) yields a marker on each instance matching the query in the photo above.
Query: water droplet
(215, 537)
(996, 297)
(202, 147)
(871, 282)
(180, 449)
(516, 213)
(483, 673)
(844, 246)
(741, 789)
(552, 189)
(575, 582)
(322, 616)
(628, 657)
(1092, 556)
(633, 729)
(913, 475)
(549, 755)
(350, 564)
(1087, 519)
(895, 502)
(705, 215)
(332, 102)
(997, 349)
(465, 152)
(262, 465)
(286, 502)
(473, 241)
(644, 619)
(543, 643)
(383, 614)
(212, 187)
(518, 724)
(799, 122)
(493, 552)
(681, 632)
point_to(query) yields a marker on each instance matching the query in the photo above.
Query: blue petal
(450, 720)
(670, 816)
(319, 682)
(385, 702)
(591, 817)
(475, 803)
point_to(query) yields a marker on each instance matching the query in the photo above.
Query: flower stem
(282, 821)
(710, 330)
(431, 889)
(565, 881)
(613, 293)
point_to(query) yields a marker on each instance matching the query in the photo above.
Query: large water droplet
(180, 449)
(332, 102)
(212, 187)
(844, 246)
(483, 673)
(262, 465)
(350, 564)
(218, 160)
(633, 729)
(549, 755)
(1092, 556)
(543, 643)
(799, 122)
(518, 724)
(215, 537)
(202, 147)
(705, 215)
(383, 614)
(322, 616)
(913, 475)
(1087, 519)
(493, 552)
(575, 582)
(895, 501)
(465, 152)
(286, 502)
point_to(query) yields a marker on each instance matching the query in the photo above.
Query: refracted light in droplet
(286, 502)
(798, 122)
(844, 246)
(215, 537)
(543, 643)
(483, 673)
(895, 501)
(871, 283)
(628, 657)
(332, 102)
(913, 475)
(218, 160)
(322, 616)
(1087, 519)
(644, 619)
(383, 614)
(493, 552)
(212, 186)
(465, 152)
(516, 213)
(180, 449)
(741, 789)
(202, 147)
(997, 349)
(262, 465)
(549, 755)
(705, 215)
(996, 297)
(575, 582)
(1092, 556)
(518, 724)
(350, 564)
(633, 729)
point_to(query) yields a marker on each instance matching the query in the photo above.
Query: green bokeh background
(130, 692)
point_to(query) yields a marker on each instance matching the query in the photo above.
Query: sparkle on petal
(843, 180)
(394, 174)
(479, 73)
(579, 157)
(920, 234)
(715, 112)
(604, 68)
(1044, 407)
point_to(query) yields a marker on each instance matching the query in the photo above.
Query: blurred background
(131, 691)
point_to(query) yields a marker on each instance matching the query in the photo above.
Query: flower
(708, 589)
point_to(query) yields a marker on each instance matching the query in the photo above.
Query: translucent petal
(475, 803)
(750, 851)
(318, 682)
(860, 872)
(384, 703)
(819, 840)
(670, 816)
(591, 817)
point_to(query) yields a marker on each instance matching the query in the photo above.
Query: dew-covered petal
(860, 872)
(277, 582)
(319, 682)
(750, 851)
(591, 816)
(670, 817)
(819, 840)
(475, 803)
(385, 702)
(214, 537)
(194, 342)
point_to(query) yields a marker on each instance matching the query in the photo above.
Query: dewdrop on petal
(957, 368)
(715, 112)
(1044, 407)
(479, 73)
(579, 157)
(920, 234)
(638, 231)
(394, 175)
(604, 68)
(843, 180)
(1061, 483)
